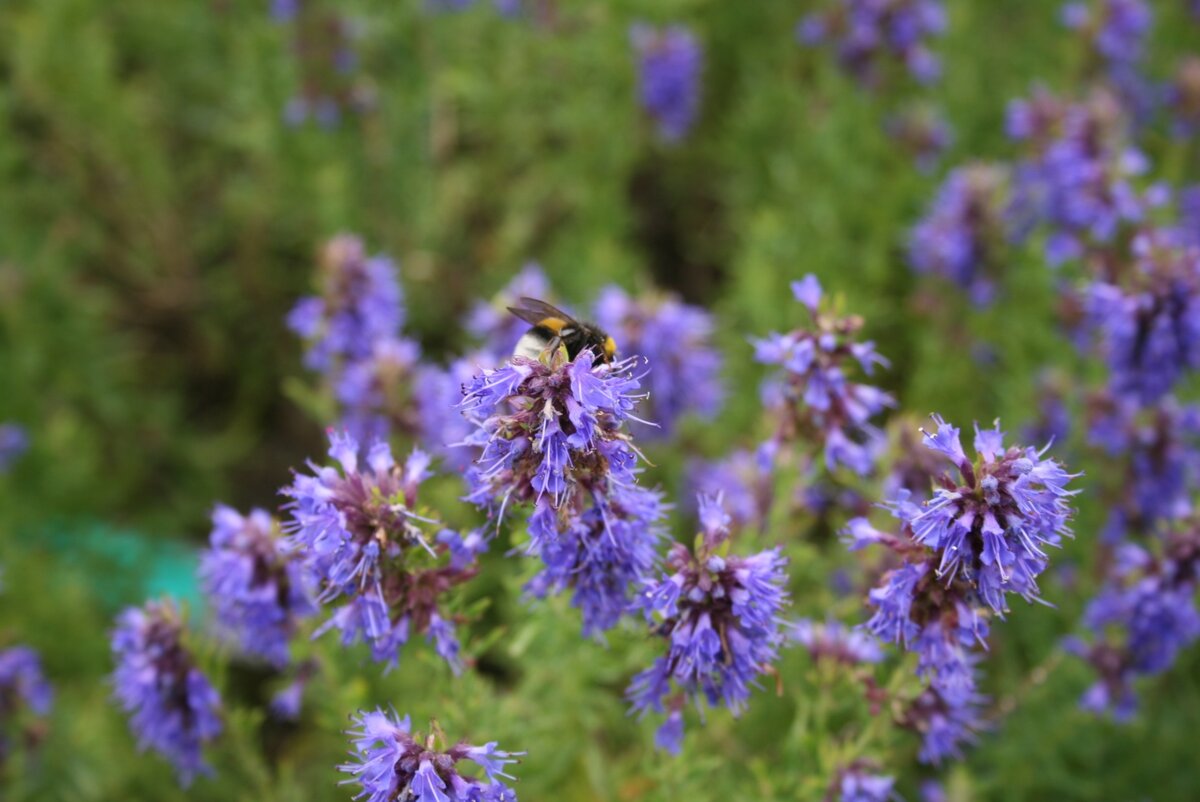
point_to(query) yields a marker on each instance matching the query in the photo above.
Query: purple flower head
(963, 234)
(551, 436)
(14, 441)
(172, 707)
(870, 36)
(257, 588)
(1141, 619)
(834, 641)
(720, 615)
(991, 526)
(683, 367)
(1149, 325)
(395, 763)
(360, 304)
(815, 400)
(669, 63)
(365, 541)
(982, 535)
(1159, 448)
(22, 682)
(1077, 178)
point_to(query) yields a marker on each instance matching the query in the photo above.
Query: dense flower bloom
(395, 763)
(1160, 450)
(834, 641)
(720, 614)
(676, 340)
(979, 538)
(869, 35)
(22, 682)
(550, 434)
(1149, 324)
(1142, 619)
(1077, 177)
(814, 399)
(361, 535)
(257, 588)
(173, 709)
(14, 441)
(962, 235)
(669, 63)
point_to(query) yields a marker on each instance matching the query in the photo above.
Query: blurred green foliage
(158, 218)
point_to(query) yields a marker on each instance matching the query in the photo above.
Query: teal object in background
(126, 566)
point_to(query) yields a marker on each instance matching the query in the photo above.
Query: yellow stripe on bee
(555, 324)
(610, 347)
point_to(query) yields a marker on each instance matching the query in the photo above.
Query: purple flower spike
(257, 587)
(366, 542)
(719, 614)
(813, 399)
(551, 437)
(172, 707)
(669, 63)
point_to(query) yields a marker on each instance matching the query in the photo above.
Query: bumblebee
(552, 327)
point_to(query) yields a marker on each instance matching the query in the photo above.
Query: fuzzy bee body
(552, 326)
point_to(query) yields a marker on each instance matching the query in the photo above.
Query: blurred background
(168, 175)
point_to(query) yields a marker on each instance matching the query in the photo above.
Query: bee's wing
(533, 311)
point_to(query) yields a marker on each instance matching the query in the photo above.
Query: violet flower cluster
(669, 63)
(981, 537)
(870, 36)
(963, 235)
(814, 399)
(1142, 618)
(14, 441)
(257, 587)
(834, 641)
(1078, 175)
(1160, 449)
(676, 340)
(551, 435)
(395, 763)
(173, 708)
(720, 615)
(744, 480)
(353, 331)
(363, 538)
(1149, 322)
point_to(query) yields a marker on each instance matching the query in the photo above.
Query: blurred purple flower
(172, 707)
(669, 64)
